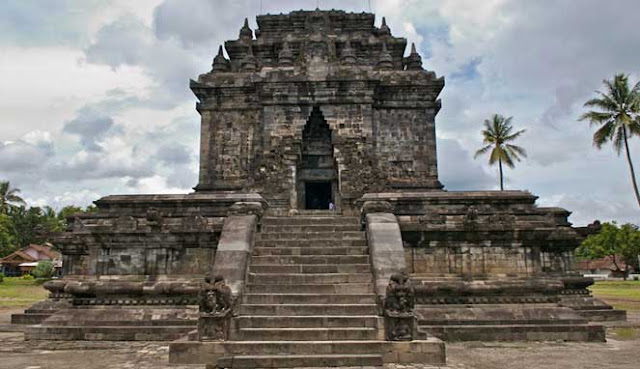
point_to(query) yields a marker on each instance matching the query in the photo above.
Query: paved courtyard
(620, 352)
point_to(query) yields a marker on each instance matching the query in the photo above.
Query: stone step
(309, 220)
(351, 288)
(315, 278)
(309, 334)
(303, 347)
(310, 259)
(29, 318)
(305, 298)
(101, 333)
(312, 228)
(308, 309)
(319, 321)
(310, 243)
(309, 268)
(496, 322)
(518, 332)
(603, 315)
(121, 323)
(273, 251)
(300, 361)
(304, 236)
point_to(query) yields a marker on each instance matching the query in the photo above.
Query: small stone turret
(246, 34)
(348, 56)
(385, 61)
(220, 63)
(384, 29)
(249, 63)
(414, 60)
(285, 56)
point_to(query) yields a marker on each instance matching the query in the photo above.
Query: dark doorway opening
(318, 195)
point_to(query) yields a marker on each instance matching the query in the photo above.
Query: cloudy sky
(94, 96)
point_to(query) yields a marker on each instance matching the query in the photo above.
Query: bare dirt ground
(620, 352)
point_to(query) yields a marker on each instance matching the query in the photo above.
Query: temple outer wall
(148, 237)
(483, 233)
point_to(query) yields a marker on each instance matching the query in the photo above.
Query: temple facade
(317, 108)
(320, 213)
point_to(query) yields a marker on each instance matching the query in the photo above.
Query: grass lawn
(621, 294)
(18, 292)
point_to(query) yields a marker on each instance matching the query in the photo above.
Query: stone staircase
(308, 301)
(309, 297)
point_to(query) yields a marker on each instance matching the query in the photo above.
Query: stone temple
(320, 219)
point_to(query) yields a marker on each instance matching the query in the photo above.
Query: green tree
(50, 220)
(497, 135)
(618, 243)
(7, 238)
(30, 225)
(9, 197)
(44, 269)
(69, 211)
(618, 117)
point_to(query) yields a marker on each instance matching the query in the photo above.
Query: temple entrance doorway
(318, 195)
(317, 180)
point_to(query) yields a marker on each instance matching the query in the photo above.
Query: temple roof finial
(384, 29)
(220, 63)
(385, 62)
(249, 63)
(245, 31)
(414, 60)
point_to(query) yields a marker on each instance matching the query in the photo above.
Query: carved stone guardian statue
(399, 302)
(216, 303)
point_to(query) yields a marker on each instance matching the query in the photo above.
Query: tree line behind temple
(21, 225)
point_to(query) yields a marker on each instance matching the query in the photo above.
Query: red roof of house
(603, 263)
(43, 252)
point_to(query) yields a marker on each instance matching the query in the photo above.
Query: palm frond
(514, 136)
(508, 159)
(496, 154)
(596, 117)
(618, 140)
(634, 128)
(604, 134)
(517, 151)
(482, 151)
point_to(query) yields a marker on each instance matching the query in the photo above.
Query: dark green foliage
(44, 270)
(21, 226)
(620, 243)
(9, 197)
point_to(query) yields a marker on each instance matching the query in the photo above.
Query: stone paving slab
(15, 353)
(619, 354)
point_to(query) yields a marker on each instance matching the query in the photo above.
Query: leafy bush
(28, 277)
(44, 269)
(1, 277)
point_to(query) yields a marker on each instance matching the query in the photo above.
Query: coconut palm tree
(497, 135)
(9, 197)
(618, 117)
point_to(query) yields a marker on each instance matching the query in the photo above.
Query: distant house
(25, 260)
(604, 267)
